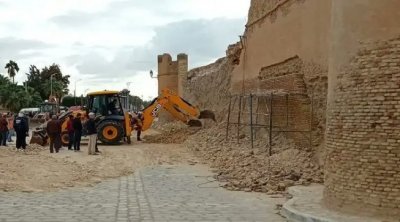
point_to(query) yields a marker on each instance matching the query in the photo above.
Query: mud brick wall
(285, 76)
(306, 83)
(268, 9)
(259, 8)
(291, 111)
(363, 134)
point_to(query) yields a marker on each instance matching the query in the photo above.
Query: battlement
(172, 73)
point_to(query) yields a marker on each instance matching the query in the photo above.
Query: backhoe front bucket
(195, 123)
(207, 114)
(39, 137)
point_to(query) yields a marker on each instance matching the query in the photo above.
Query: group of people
(9, 124)
(20, 126)
(75, 131)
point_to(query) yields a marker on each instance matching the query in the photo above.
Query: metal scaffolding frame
(245, 102)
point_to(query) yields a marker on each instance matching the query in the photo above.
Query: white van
(28, 111)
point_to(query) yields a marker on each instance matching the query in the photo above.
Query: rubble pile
(173, 132)
(247, 169)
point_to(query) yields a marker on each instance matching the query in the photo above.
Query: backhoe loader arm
(177, 107)
(151, 112)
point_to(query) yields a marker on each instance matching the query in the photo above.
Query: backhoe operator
(112, 107)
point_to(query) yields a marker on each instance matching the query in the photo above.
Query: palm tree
(4, 80)
(15, 97)
(12, 69)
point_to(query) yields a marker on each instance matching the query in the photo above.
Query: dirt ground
(37, 170)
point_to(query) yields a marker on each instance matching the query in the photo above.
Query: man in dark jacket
(21, 128)
(77, 125)
(54, 131)
(70, 130)
(3, 130)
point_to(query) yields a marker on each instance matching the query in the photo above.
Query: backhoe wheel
(64, 138)
(110, 132)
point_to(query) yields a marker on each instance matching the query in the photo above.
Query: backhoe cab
(112, 121)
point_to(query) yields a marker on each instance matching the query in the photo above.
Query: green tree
(4, 80)
(41, 81)
(136, 102)
(33, 98)
(12, 69)
(70, 101)
(33, 77)
(53, 87)
(14, 97)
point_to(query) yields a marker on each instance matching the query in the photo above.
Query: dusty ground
(38, 170)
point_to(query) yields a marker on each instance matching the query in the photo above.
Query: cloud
(12, 48)
(203, 40)
(115, 16)
(74, 19)
(114, 41)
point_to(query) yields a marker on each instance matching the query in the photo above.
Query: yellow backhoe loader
(112, 121)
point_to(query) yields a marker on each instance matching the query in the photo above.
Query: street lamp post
(82, 96)
(127, 85)
(51, 84)
(75, 90)
(152, 75)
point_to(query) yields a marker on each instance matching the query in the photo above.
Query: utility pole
(51, 84)
(75, 91)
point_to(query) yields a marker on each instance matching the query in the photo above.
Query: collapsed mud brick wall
(208, 86)
(304, 106)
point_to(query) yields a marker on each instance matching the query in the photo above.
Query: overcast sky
(107, 43)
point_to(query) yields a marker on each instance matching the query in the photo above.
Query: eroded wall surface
(208, 86)
(285, 48)
(295, 28)
(363, 134)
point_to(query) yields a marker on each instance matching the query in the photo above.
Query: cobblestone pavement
(162, 193)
